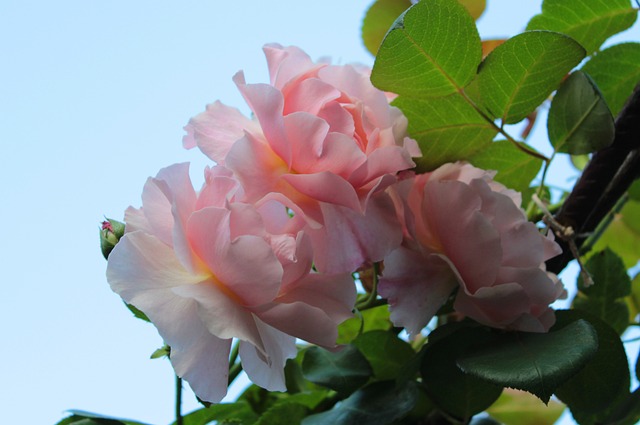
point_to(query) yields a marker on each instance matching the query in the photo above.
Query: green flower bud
(110, 233)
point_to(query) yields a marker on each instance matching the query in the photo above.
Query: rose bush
(206, 268)
(325, 143)
(466, 232)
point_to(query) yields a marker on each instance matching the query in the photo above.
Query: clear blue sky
(93, 98)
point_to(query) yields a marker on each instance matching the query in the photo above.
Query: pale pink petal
(267, 370)
(496, 306)
(339, 120)
(286, 63)
(235, 263)
(136, 220)
(325, 187)
(385, 160)
(216, 130)
(309, 96)
(157, 209)
(416, 284)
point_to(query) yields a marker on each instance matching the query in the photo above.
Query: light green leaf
(139, 314)
(616, 72)
(164, 351)
(580, 161)
(343, 371)
(590, 22)
(379, 403)
(604, 379)
(537, 363)
(516, 407)
(609, 274)
(579, 119)
(515, 168)
(432, 50)
(633, 300)
(385, 352)
(521, 73)
(454, 391)
(373, 318)
(447, 129)
(379, 17)
(474, 7)
(623, 234)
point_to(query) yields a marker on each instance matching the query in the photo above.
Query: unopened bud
(110, 233)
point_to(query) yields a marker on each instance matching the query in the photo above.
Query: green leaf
(137, 313)
(447, 129)
(520, 74)
(590, 22)
(454, 391)
(432, 50)
(633, 300)
(80, 417)
(521, 408)
(239, 412)
(374, 318)
(616, 72)
(385, 352)
(164, 351)
(627, 412)
(283, 413)
(379, 17)
(344, 371)
(610, 277)
(634, 191)
(613, 313)
(515, 168)
(623, 234)
(604, 379)
(379, 403)
(537, 363)
(474, 7)
(579, 119)
(580, 161)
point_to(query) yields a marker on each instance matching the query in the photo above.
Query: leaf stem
(603, 225)
(234, 371)
(372, 301)
(179, 401)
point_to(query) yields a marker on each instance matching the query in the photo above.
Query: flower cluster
(310, 190)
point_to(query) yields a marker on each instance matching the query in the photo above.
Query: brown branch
(605, 179)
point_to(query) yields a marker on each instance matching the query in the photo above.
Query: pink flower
(204, 269)
(467, 232)
(325, 143)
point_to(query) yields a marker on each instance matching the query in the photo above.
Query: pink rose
(205, 269)
(325, 143)
(467, 232)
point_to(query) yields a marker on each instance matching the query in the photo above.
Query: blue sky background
(93, 98)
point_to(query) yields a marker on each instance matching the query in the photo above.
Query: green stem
(234, 353)
(234, 371)
(372, 301)
(178, 400)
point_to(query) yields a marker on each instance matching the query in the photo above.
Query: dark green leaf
(627, 412)
(610, 277)
(614, 313)
(458, 393)
(385, 352)
(379, 403)
(344, 371)
(590, 22)
(374, 318)
(634, 191)
(633, 300)
(520, 74)
(537, 363)
(604, 379)
(379, 17)
(239, 412)
(474, 7)
(447, 129)
(258, 398)
(80, 417)
(616, 72)
(515, 168)
(579, 119)
(308, 399)
(432, 50)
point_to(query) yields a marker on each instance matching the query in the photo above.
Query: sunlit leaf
(515, 168)
(343, 371)
(454, 391)
(385, 352)
(432, 50)
(489, 45)
(378, 20)
(474, 7)
(521, 408)
(371, 319)
(590, 22)
(579, 119)
(616, 72)
(379, 403)
(537, 363)
(633, 300)
(623, 234)
(579, 161)
(521, 73)
(604, 379)
(137, 313)
(447, 129)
